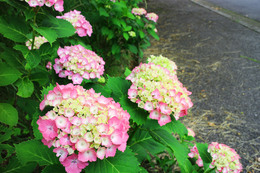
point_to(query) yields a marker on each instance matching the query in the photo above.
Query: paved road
(248, 8)
(213, 57)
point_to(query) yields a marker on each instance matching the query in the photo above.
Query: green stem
(34, 22)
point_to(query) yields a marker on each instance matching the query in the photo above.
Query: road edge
(245, 21)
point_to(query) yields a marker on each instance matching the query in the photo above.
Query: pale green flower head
(164, 62)
(132, 33)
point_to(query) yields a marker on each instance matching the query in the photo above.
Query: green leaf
(57, 168)
(29, 14)
(142, 143)
(115, 49)
(125, 35)
(116, 21)
(130, 15)
(8, 75)
(32, 56)
(16, 4)
(41, 77)
(127, 72)
(48, 33)
(152, 33)
(127, 28)
(141, 33)
(137, 114)
(8, 114)
(15, 166)
(104, 90)
(119, 86)
(25, 87)
(14, 28)
(5, 148)
(133, 48)
(12, 58)
(123, 162)
(37, 134)
(102, 12)
(180, 151)
(62, 27)
(142, 170)
(203, 151)
(6, 134)
(35, 151)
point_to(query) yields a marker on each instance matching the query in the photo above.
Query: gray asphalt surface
(248, 8)
(214, 56)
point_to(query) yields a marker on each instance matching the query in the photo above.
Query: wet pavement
(219, 61)
(248, 8)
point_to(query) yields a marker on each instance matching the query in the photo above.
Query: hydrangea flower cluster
(152, 16)
(58, 4)
(49, 65)
(82, 126)
(38, 41)
(194, 153)
(164, 62)
(139, 11)
(79, 22)
(224, 158)
(76, 63)
(156, 90)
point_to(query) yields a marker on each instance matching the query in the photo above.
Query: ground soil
(214, 57)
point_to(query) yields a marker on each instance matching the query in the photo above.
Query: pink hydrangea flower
(38, 41)
(49, 65)
(139, 11)
(78, 63)
(83, 126)
(79, 22)
(158, 90)
(58, 4)
(152, 16)
(224, 158)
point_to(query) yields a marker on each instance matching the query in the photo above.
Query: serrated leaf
(45, 90)
(119, 86)
(133, 48)
(8, 114)
(8, 74)
(142, 143)
(180, 151)
(25, 87)
(141, 33)
(102, 12)
(35, 151)
(123, 162)
(130, 15)
(48, 33)
(6, 135)
(32, 56)
(37, 134)
(127, 28)
(16, 4)
(116, 22)
(41, 77)
(137, 114)
(203, 151)
(62, 27)
(14, 28)
(15, 166)
(125, 35)
(142, 170)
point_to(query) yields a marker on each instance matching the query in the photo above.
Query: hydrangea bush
(82, 126)
(110, 124)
